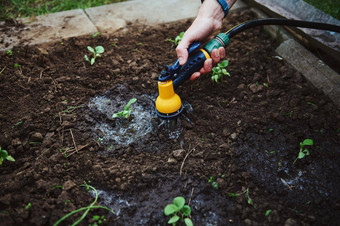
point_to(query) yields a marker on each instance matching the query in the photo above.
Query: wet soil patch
(244, 132)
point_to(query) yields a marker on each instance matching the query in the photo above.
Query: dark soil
(245, 132)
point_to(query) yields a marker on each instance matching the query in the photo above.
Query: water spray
(168, 104)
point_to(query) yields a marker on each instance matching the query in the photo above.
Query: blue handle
(193, 64)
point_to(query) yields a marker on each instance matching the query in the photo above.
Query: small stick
(290, 188)
(40, 76)
(192, 191)
(84, 146)
(3, 69)
(180, 171)
(74, 142)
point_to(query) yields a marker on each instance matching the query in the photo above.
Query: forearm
(212, 10)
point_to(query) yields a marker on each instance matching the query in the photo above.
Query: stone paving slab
(48, 28)
(109, 18)
(318, 73)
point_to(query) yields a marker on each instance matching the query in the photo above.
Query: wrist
(211, 9)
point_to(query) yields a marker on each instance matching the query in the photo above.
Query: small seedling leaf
(301, 155)
(170, 209)
(308, 142)
(223, 63)
(133, 100)
(10, 158)
(188, 222)
(3, 154)
(92, 61)
(173, 219)
(179, 202)
(267, 213)
(86, 58)
(99, 49)
(186, 210)
(90, 49)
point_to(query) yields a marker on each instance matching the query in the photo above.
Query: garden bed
(245, 132)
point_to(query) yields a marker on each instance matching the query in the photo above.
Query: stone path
(106, 19)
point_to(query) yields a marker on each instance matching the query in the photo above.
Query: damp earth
(231, 155)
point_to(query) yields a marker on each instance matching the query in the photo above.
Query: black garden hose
(283, 22)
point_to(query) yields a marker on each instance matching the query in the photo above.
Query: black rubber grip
(193, 64)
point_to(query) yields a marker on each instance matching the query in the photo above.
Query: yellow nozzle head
(168, 101)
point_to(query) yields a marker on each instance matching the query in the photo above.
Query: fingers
(182, 51)
(216, 56)
(194, 76)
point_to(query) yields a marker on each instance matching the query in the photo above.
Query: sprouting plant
(177, 39)
(213, 182)
(95, 34)
(9, 52)
(177, 208)
(267, 213)
(249, 200)
(303, 150)
(232, 195)
(28, 206)
(16, 65)
(98, 220)
(127, 111)
(219, 71)
(86, 209)
(4, 156)
(96, 53)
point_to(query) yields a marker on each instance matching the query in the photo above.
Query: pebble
(69, 185)
(241, 86)
(233, 136)
(154, 75)
(247, 222)
(255, 88)
(37, 137)
(172, 160)
(178, 154)
(290, 222)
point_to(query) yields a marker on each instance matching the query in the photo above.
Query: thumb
(182, 51)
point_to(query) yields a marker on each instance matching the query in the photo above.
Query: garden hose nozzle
(168, 103)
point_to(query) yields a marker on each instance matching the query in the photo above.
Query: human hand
(208, 20)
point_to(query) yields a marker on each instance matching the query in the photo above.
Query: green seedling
(213, 182)
(16, 65)
(4, 156)
(249, 200)
(311, 103)
(233, 195)
(17, 124)
(86, 209)
(28, 206)
(303, 150)
(267, 213)
(96, 53)
(98, 220)
(9, 52)
(179, 211)
(219, 71)
(126, 113)
(177, 40)
(95, 34)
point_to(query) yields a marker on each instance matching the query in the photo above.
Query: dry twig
(180, 171)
